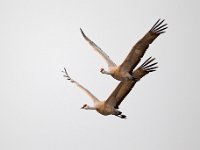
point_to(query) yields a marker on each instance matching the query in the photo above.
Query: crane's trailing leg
(120, 115)
(123, 116)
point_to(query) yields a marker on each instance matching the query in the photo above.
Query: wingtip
(83, 34)
(147, 61)
(81, 30)
(66, 75)
(149, 65)
(158, 27)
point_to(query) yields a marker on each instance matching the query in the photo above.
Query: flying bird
(123, 71)
(111, 105)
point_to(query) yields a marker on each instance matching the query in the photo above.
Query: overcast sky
(40, 110)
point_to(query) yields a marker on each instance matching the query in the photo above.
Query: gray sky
(39, 109)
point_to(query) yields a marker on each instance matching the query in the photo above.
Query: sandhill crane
(123, 71)
(111, 105)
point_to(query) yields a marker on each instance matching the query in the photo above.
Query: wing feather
(142, 45)
(99, 50)
(124, 87)
(80, 86)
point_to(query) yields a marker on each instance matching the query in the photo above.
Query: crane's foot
(121, 116)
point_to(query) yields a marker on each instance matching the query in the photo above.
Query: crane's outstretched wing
(99, 50)
(124, 87)
(80, 86)
(141, 46)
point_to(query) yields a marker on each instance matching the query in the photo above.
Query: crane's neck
(90, 108)
(106, 72)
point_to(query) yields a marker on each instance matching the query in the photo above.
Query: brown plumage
(123, 71)
(111, 105)
(123, 88)
(142, 45)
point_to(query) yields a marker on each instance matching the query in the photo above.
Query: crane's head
(85, 106)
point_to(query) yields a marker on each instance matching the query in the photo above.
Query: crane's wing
(124, 87)
(99, 50)
(80, 86)
(141, 46)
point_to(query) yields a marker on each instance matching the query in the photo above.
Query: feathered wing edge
(66, 75)
(124, 87)
(98, 50)
(157, 28)
(139, 49)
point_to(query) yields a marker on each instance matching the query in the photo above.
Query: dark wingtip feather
(160, 30)
(146, 61)
(83, 34)
(155, 24)
(158, 27)
(151, 70)
(149, 66)
(161, 27)
(81, 30)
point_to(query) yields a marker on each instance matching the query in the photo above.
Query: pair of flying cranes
(124, 72)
